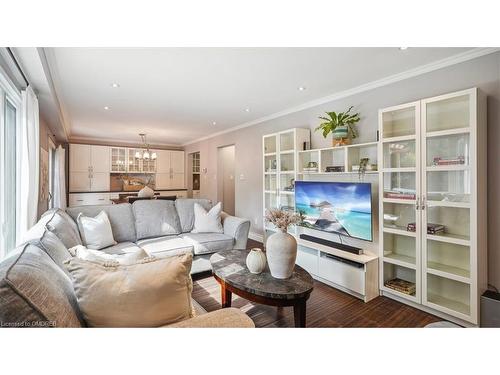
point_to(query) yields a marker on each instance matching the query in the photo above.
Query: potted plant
(281, 247)
(342, 125)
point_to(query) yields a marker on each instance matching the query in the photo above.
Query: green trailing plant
(334, 120)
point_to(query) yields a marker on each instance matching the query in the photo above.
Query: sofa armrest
(237, 228)
(224, 318)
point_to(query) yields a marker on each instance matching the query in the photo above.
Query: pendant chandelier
(145, 154)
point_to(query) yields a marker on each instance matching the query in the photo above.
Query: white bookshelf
(280, 169)
(433, 171)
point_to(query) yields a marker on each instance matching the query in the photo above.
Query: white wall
(483, 73)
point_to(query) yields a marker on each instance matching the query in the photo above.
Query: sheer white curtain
(29, 165)
(59, 199)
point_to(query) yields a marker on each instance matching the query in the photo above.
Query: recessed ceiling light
(247, 109)
(214, 123)
(301, 88)
(403, 48)
(115, 85)
(106, 108)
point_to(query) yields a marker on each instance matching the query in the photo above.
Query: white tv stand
(326, 264)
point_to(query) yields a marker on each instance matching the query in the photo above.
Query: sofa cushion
(165, 246)
(63, 226)
(121, 248)
(185, 210)
(154, 218)
(34, 291)
(150, 293)
(120, 216)
(206, 243)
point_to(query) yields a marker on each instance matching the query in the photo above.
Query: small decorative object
(341, 125)
(256, 260)
(306, 146)
(272, 166)
(281, 247)
(146, 192)
(362, 167)
(290, 187)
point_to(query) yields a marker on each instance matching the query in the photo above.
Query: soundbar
(333, 244)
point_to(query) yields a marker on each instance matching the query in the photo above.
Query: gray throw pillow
(63, 226)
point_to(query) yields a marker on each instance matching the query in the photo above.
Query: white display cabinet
(433, 189)
(280, 162)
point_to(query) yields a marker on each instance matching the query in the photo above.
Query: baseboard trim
(256, 237)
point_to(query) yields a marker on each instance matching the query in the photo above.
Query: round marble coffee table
(230, 270)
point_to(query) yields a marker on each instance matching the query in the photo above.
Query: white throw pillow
(96, 231)
(100, 257)
(207, 222)
(151, 293)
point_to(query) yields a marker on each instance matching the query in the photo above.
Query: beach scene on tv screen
(343, 208)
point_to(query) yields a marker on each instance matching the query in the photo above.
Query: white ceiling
(175, 94)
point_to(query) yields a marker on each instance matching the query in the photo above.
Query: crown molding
(121, 143)
(423, 69)
(48, 63)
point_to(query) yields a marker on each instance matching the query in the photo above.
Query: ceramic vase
(281, 252)
(256, 260)
(146, 192)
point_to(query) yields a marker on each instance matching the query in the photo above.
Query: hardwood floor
(327, 307)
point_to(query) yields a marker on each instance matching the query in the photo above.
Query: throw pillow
(100, 257)
(207, 222)
(151, 293)
(63, 226)
(96, 231)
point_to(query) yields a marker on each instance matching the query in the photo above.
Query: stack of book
(431, 228)
(310, 169)
(335, 168)
(401, 286)
(449, 161)
(435, 228)
(399, 195)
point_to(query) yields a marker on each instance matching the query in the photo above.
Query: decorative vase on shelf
(281, 252)
(256, 260)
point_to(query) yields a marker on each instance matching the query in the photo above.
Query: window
(9, 128)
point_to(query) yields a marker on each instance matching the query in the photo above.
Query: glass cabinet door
(447, 178)
(134, 164)
(399, 192)
(118, 159)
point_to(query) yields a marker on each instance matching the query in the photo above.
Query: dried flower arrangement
(282, 219)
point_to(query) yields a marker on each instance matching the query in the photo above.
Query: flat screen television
(343, 208)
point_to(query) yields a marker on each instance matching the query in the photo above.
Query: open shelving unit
(280, 169)
(433, 157)
(341, 156)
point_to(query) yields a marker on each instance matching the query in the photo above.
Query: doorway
(225, 178)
